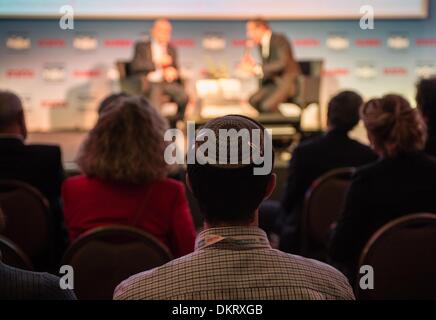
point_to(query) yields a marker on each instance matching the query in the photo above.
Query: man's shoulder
(175, 279)
(33, 285)
(316, 275)
(147, 285)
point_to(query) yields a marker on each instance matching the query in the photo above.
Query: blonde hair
(127, 143)
(393, 125)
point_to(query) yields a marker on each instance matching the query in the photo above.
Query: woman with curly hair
(402, 182)
(124, 178)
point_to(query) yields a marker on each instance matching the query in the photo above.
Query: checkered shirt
(236, 263)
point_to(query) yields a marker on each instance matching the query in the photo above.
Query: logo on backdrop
(18, 42)
(20, 73)
(85, 42)
(337, 42)
(398, 42)
(54, 103)
(366, 70)
(425, 69)
(214, 42)
(395, 71)
(53, 72)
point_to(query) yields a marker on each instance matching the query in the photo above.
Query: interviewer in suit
(37, 165)
(156, 63)
(401, 183)
(279, 69)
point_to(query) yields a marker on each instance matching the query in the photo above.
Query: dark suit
(16, 284)
(142, 64)
(309, 161)
(41, 167)
(280, 71)
(379, 193)
(430, 148)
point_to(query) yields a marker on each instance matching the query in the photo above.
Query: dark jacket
(280, 67)
(142, 62)
(313, 158)
(430, 148)
(41, 167)
(16, 284)
(379, 193)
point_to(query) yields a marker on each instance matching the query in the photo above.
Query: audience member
(37, 165)
(402, 182)
(313, 158)
(108, 100)
(426, 100)
(233, 258)
(16, 284)
(124, 179)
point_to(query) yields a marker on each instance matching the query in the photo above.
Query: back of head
(11, 111)
(229, 192)
(343, 111)
(106, 102)
(393, 126)
(259, 23)
(426, 100)
(127, 144)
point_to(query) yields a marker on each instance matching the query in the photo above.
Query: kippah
(248, 145)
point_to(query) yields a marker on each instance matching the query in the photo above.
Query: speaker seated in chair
(161, 94)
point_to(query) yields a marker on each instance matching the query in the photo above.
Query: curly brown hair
(127, 143)
(393, 125)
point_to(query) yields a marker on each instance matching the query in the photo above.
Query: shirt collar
(266, 38)
(238, 236)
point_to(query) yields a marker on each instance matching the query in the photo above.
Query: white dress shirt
(265, 43)
(157, 52)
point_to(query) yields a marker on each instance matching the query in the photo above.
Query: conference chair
(28, 221)
(13, 256)
(322, 207)
(103, 257)
(402, 255)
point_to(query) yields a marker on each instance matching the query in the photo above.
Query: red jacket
(90, 203)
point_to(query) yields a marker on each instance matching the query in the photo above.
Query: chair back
(402, 255)
(309, 83)
(322, 207)
(102, 258)
(28, 222)
(13, 256)
(123, 68)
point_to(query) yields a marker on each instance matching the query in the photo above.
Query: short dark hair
(259, 22)
(11, 109)
(426, 100)
(228, 194)
(343, 110)
(109, 99)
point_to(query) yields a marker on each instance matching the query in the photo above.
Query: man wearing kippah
(233, 258)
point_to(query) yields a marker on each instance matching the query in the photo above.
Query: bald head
(161, 31)
(11, 115)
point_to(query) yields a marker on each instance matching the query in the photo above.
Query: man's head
(161, 31)
(256, 28)
(343, 111)
(230, 194)
(11, 115)
(426, 101)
